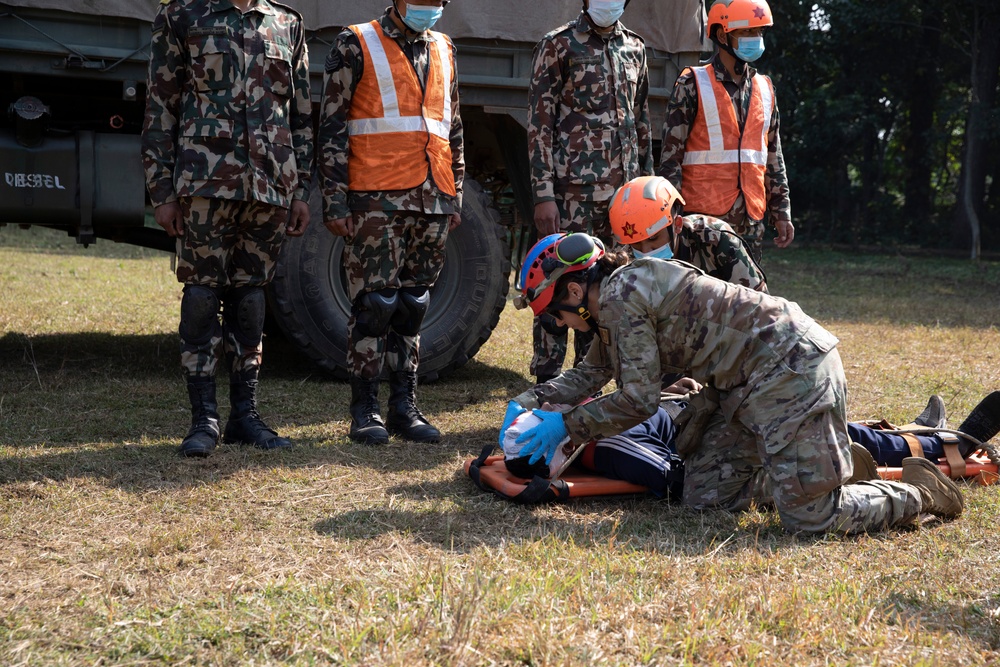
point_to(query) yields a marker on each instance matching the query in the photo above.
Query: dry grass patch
(117, 552)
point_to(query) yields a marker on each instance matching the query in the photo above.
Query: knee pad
(373, 312)
(413, 305)
(243, 313)
(199, 314)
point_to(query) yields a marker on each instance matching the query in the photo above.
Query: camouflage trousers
(752, 231)
(229, 243)
(227, 246)
(787, 446)
(550, 349)
(390, 249)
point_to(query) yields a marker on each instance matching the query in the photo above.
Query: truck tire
(310, 304)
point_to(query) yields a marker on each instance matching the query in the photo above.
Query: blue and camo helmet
(549, 260)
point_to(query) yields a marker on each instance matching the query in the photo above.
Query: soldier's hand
(454, 220)
(340, 226)
(684, 386)
(169, 217)
(298, 218)
(786, 233)
(547, 218)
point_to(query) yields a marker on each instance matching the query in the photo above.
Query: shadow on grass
(975, 619)
(158, 355)
(630, 523)
(460, 517)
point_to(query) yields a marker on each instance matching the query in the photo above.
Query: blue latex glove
(545, 438)
(514, 410)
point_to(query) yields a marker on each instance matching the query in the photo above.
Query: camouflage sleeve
(681, 111)
(575, 384)
(741, 269)
(300, 122)
(456, 138)
(159, 131)
(344, 67)
(634, 356)
(779, 208)
(642, 124)
(583, 380)
(543, 108)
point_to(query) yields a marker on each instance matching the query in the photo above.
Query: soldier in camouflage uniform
(737, 196)
(645, 215)
(781, 372)
(227, 149)
(588, 133)
(393, 191)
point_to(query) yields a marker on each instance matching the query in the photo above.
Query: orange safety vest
(719, 161)
(395, 129)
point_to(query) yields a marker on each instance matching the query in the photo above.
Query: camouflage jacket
(588, 123)
(344, 68)
(711, 245)
(659, 317)
(682, 108)
(228, 110)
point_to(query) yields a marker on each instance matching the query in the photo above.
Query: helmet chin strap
(741, 65)
(581, 308)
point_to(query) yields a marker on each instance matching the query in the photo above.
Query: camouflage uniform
(681, 112)
(712, 246)
(784, 383)
(588, 134)
(399, 236)
(227, 135)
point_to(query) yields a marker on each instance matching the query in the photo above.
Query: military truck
(72, 95)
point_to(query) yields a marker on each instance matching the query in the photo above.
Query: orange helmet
(737, 15)
(642, 207)
(549, 260)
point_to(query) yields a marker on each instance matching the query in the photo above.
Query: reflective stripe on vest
(392, 121)
(720, 162)
(397, 127)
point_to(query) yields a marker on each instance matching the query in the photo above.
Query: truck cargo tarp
(668, 25)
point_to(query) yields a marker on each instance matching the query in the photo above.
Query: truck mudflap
(80, 182)
(311, 306)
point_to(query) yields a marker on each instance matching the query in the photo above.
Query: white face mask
(605, 12)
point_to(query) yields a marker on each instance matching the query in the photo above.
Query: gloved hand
(545, 438)
(514, 410)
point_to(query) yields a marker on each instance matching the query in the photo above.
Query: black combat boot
(982, 423)
(245, 425)
(405, 420)
(203, 435)
(366, 419)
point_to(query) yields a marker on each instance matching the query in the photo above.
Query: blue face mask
(663, 252)
(749, 49)
(605, 12)
(419, 18)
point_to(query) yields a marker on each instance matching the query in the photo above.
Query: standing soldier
(227, 149)
(721, 147)
(588, 133)
(392, 167)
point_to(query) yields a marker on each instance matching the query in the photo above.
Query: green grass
(115, 551)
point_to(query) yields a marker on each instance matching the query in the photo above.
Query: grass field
(115, 551)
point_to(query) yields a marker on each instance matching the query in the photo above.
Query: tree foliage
(886, 108)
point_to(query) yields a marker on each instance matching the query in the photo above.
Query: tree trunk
(985, 64)
(924, 89)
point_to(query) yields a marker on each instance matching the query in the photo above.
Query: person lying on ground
(785, 389)
(646, 454)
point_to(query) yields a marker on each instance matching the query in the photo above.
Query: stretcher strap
(955, 460)
(538, 490)
(913, 442)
